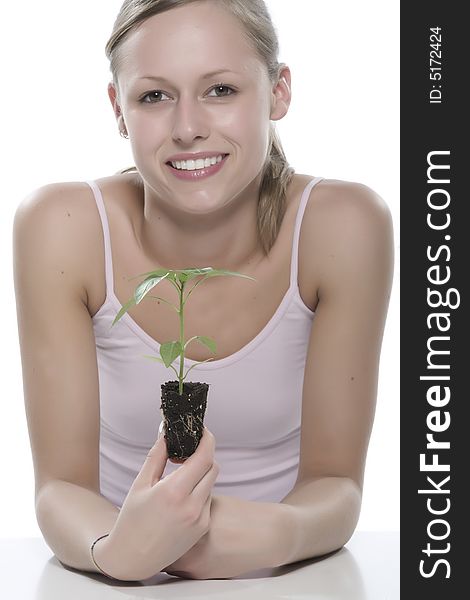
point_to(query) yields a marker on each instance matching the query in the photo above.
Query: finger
(154, 464)
(203, 490)
(197, 465)
(206, 511)
(204, 518)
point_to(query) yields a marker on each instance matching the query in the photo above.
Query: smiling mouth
(196, 165)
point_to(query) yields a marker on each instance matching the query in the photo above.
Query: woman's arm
(71, 517)
(348, 234)
(60, 377)
(61, 388)
(350, 240)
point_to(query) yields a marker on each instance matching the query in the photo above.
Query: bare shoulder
(348, 226)
(65, 200)
(54, 204)
(61, 217)
(65, 218)
(59, 211)
(336, 200)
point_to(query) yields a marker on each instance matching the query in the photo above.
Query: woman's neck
(226, 238)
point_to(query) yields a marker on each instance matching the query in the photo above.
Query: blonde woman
(196, 89)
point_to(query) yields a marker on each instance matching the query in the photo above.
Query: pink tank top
(258, 457)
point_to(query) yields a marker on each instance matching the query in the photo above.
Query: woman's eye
(152, 95)
(156, 96)
(222, 88)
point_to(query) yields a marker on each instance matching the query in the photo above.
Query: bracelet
(93, 558)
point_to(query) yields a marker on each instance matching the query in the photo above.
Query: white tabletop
(367, 568)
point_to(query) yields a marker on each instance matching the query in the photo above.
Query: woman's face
(188, 109)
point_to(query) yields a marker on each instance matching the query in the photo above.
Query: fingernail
(160, 430)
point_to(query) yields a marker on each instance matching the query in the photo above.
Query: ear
(114, 98)
(281, 94)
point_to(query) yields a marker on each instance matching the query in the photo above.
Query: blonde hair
(260, 32)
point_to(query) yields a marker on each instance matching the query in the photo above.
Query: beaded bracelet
(93, 558)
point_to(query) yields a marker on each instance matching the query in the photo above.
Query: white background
(57, 125)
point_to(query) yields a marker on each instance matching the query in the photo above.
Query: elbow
(48, 507)
(351, 501)
(325, 513)
(44, 511)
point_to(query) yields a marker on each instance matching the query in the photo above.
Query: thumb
(154, 464)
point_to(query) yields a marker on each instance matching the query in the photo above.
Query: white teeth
(200, 163)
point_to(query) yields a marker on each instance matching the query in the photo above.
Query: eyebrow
(206, 76)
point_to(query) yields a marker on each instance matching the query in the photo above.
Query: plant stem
(181, 312)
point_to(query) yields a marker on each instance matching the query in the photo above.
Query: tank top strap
(298, 223)
(108, 259)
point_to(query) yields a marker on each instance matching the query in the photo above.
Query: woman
(278, 474)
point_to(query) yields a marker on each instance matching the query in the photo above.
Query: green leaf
(182, 277)
(185, 275)
(210, 272)
(191, 273)
(198, 363)
(166, 302)
(172, 275)
(144, 288)
(152, 278)
(123, 310)
(157, 273)
(153, 358)
(207, 342)
(169, 351)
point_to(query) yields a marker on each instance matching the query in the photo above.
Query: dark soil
(184, 417)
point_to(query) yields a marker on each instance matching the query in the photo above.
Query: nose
(190, 122)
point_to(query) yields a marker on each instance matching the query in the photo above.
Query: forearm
(315, 518)
(251, 537)
(71, 518)
(323, 517)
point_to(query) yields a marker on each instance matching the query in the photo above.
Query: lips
(197, 174)
(199, 163)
